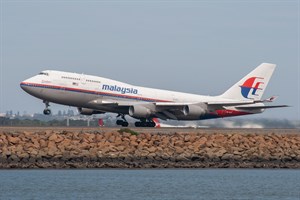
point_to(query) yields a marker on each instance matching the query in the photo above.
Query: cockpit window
(43, 73)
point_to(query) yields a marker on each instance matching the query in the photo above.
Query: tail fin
(253, 85)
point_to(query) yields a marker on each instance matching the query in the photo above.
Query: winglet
(271, 99)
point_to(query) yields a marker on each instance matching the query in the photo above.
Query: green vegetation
(127, 130)
(35, 122)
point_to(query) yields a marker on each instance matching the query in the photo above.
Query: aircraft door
(83, 79)
(174, 97)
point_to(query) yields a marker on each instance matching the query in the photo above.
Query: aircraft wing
(213, 103)
(173, 110)
(260, 107)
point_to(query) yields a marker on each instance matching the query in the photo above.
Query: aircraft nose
(24, 84)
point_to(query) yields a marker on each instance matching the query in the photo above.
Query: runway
(156, 130)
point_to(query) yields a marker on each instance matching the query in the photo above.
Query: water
(174, 184)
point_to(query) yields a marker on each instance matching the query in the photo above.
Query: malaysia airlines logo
(122, 90)
(251, 86)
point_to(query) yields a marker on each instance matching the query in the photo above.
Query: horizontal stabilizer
(271, 99)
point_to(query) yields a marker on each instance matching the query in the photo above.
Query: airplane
(98, 95)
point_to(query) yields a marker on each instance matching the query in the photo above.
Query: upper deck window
(72, 78)
(93, 81)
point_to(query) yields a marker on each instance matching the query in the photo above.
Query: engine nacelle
(194, 110)
(87, 111)
(139, 111)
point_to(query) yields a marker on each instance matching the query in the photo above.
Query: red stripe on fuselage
(93, 92)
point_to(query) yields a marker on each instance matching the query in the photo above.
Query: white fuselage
(92, 92)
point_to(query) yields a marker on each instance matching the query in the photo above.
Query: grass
(128, 130)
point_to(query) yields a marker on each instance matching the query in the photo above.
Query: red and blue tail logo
(251, 84)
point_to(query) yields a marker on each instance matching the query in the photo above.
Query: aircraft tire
(47, 112)
(152, 124)
(119, 122)
(138, 124)
(144, 124)
(125, 124)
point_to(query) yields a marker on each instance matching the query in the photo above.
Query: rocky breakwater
(96, 149)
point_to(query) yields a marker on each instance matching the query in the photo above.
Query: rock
(13, 140)
(227, 156)
(111, 139)
(51, 144)
(143, 143)
(63, 149)
(141, 153)
(53, 137)
(98, 138)
(133, 138)
(14, 158)
(42, 143)
(26, 135)
(148, 136)
(118, 141)
(35, 143)
(152, 149)
(84, 146)
(179, 150)
(179, 143)
(237, 153)
(165, 141)
(52, 151)
(220, 153)
(59, 139)
(120, 148)
(107, 135)
(187, 138)
(133, 143)
(33, 152)
(202, 140)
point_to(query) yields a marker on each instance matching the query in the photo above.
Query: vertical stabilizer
(253, 85)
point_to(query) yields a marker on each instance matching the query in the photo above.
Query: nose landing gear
(47, 111)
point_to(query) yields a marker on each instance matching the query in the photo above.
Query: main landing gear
(122, 122)
(47, 111)
(145, 123)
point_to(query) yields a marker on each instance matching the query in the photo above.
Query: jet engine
(87, 111)
(194, 110)
(139, 111)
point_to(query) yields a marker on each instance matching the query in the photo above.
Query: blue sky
(200, 47)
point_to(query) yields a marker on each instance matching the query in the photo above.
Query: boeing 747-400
(97, 95)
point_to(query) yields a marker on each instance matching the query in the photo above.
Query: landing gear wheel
(152, 124)
(47, 111)
(123, 122)
(138, 124)
(119, 122)
(144, 124)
